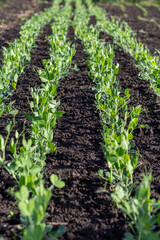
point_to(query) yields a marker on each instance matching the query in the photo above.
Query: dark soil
(147, 32)
(12, 15)
(153, 12)
(14, 10)
(112, 10)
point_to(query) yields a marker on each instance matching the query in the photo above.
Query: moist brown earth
(88, 214)
(11, 19)
(14, 9)
(153, 12)
(147, 32)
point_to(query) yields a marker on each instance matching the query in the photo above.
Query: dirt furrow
(86, 213)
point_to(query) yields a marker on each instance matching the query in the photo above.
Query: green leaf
(2, 143)
(116, 70)
(53, 178)
(126, 92)
(130, 136)
(157, 89)
(12, 146)
(23, 209)
(52, 146)
(8, 127)
(55, 235)
(14, 85)
(16, 134)
(13, 111)
(128, 236)
(132, 125)
(35, 169)
(57, 183)
(42, 123)
(118, 194)
(1, 160)
(50, 136)
(31, 206)
(53, 104)
(135, 112)
(15, 79)
(60, 184)
(24, 142)
(124, 108)
(34, 232)
(31, 104)
(53, 122)
(101, 173)
(112, 158)
(130, 168)
(59, 113)
(120, 151)
(44, 79)
(32, 118)
(11, 214)
(23, 194)
(124, 144)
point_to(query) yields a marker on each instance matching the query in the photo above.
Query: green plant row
(124, 36)
(149, 2)
(28, 162)
(17, 56)
(118, 124)
(117, 138)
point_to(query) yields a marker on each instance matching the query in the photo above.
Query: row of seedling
(119, 122)
(17, 56)
(27, 163)
(124, 36)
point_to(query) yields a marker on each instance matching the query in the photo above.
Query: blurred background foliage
(129, 1)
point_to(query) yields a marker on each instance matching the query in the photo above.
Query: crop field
(79, 120)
